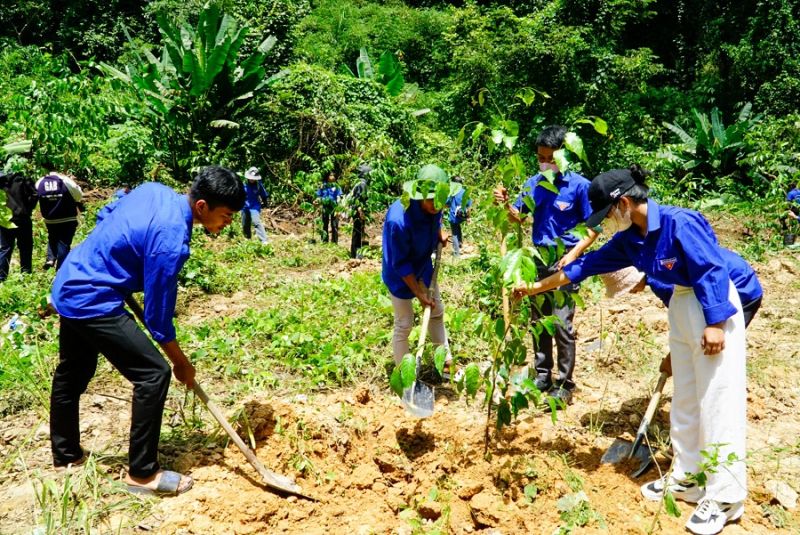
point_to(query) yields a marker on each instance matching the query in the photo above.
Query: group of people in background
(60, 200)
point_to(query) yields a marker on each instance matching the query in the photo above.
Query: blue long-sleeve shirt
(793, 196)
(409, 238)
(139, 244)
(742, 275)
(680, 248)
(329, 195)
(455, 203)
(256, 195)
(554, 214)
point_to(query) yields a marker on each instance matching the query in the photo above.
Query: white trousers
(404, 322)
(709, 405)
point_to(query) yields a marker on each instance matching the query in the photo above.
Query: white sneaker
(687, 491)
(710, 516)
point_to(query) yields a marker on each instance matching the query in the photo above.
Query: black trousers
(749, 310)
(357, 239)
(131, 352)
(332, 220)
(23, 237)
(59, 241)
(564, 335)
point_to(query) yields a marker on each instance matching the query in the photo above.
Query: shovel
(418, 398)
(271, 479)
(622, 450)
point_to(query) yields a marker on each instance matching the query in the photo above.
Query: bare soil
(374, 469)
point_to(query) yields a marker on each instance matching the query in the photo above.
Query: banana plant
(712, 149)
(196, 83)
(389, 72)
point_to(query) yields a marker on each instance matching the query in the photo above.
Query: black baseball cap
(605, 190)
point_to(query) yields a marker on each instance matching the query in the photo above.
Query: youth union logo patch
(668, 262)
(562, 205)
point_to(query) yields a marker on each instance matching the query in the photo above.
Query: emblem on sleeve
(668, 262)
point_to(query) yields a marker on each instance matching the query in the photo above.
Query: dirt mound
(375, 470)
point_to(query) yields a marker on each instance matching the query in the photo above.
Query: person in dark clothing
(256, 198)
(60, 201)
(21, 199)
(358, 209)
(140, 244)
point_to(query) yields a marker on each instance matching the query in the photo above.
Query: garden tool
(622, 450)
(271, 479)
(418, 399)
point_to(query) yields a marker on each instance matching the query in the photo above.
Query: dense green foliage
(640, 65)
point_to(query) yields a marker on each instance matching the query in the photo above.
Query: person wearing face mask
(554, 216)
(677, 246)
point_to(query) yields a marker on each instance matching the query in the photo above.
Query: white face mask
(548, 166)
(618, 222)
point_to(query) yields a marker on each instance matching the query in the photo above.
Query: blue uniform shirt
(454, 203)
(742, 275)
(140, 243)
(556, 214)
(255, 195)
(409, 238)
(680, 248)
(793, 196)
(329, 193)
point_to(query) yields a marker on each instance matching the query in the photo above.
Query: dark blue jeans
(59, 241)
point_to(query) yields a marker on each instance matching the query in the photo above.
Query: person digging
(410, 236)
(140, 243)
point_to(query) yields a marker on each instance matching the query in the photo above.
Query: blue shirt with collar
(409, 238)
(255, 195)
(554, 214)
(139, 244)
(680, 248)
(744, 278)
(329, 193)
(793, 196)
(454, 203)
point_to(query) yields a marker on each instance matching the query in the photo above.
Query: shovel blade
(620, 451)
(418, 399)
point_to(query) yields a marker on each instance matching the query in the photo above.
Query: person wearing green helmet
(411, 232)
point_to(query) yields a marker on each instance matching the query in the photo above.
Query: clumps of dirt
(375, 470)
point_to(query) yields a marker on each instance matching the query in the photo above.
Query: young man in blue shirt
(457, 214)
(410, 237)
(328, 196)
(140, 243)
(256, 197)
(677, 247)
(554, 216)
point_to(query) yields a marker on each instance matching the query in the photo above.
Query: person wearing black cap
(707, 335)
(358, 209)
(555, 214)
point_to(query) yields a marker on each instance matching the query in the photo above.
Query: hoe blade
(418, 399)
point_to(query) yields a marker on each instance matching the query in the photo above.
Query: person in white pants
(707, 336)
(410, 236)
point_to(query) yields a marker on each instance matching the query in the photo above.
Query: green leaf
(560, 158)
(575, 144)
(671, 505)
(408, 370)
(526, 95)
(441, 195)
(503, 413)
(439, 357)
(364, 66)
(518, 402)
(497, 136)
(396, 381)
(500, 328)
(472, 379)
(549, 324)
(17, 147)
